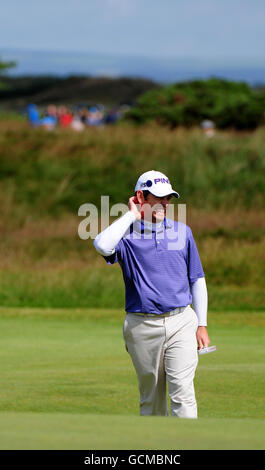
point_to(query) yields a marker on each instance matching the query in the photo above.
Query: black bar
(118, 459)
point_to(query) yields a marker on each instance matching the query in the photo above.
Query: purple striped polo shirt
(158, 266)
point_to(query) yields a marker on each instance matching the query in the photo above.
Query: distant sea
(163, 70)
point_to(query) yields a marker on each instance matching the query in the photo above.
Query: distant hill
(19, 91)
(162, 69)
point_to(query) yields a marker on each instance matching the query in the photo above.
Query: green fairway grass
(67, 382)
(57, 431)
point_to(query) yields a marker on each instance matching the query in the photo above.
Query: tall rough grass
(46, 176)
(46, 173)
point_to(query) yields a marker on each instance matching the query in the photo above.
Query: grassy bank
(45, 264)
(46, 176)
(47, 173)
(98, 287)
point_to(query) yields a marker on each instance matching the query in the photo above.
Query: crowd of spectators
(74, 118)
(80, 117)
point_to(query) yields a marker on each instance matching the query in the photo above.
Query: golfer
(162, 332)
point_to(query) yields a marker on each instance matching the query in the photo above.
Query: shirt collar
(145, 226)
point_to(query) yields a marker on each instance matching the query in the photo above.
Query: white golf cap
(156, 183)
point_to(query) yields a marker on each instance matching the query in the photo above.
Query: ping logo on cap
(156, 180)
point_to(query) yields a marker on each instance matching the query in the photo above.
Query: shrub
(228, 104)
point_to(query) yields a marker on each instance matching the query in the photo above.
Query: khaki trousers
(163, 350)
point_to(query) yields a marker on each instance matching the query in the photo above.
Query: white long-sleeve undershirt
(108, 239)
(200, 300)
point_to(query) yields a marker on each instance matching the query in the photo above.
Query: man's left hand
(203, 339)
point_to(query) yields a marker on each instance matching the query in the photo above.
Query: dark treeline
(223, 103)
(17, 92)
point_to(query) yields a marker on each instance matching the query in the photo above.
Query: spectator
(113, 116)
(208, 127)
(50, 120)
(33, 115)
(76, 124)
(65, 116)
(95, 117)
(83, 114)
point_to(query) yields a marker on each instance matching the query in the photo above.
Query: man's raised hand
(135, 207)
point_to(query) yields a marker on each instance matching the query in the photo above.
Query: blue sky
(216, 29)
